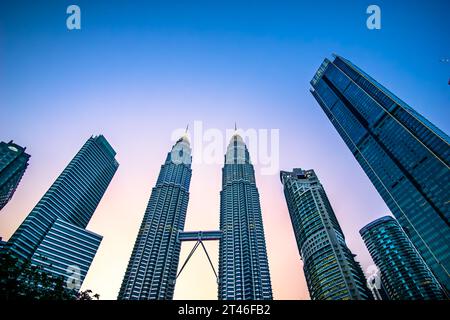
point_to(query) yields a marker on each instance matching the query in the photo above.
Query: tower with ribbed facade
(330, 269)
(404, 274)
(153, 264)
(405, 156)
(53, 235)
(243, 265)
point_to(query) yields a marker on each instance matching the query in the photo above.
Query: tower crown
(237, 152)
(181, 151)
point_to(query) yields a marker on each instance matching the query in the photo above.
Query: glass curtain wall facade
(404, 274)
(68, 205)
(13, 163)
(404, 155)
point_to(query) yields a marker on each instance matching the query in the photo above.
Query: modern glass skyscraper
(13, 163)
(331, 271)
(404, 155)
(152, 268)
(404, 274)
(67, 251)
(53, 234)
(243, 266)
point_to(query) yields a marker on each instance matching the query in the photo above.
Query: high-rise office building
(52, 235)
(152, 268)
(13, 163)
(404, 155)
(67, 251)
(243, 265)
(404, 274)
(330, 269)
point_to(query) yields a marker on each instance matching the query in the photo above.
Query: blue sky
(272, 45)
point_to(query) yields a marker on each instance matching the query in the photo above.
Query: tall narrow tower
(13, 163)
(405, 156)
(53, 235)
(152, 268)
(243, 266)
(331, 271)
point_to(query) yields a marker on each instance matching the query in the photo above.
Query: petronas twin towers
(153, 264)
(243, 266)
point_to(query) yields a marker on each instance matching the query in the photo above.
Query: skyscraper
(152, 268)
(53, 234)
(13, 163)
(243, 266)
(404, 274)
(67, 251)
(404, 155)
(331, 271)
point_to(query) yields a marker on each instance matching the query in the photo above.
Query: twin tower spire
(243, 265)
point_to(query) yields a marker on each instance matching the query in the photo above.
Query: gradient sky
(138, 70)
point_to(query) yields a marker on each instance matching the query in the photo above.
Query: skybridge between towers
(199, 237)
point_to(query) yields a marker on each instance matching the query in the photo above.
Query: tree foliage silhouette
(23, 281)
